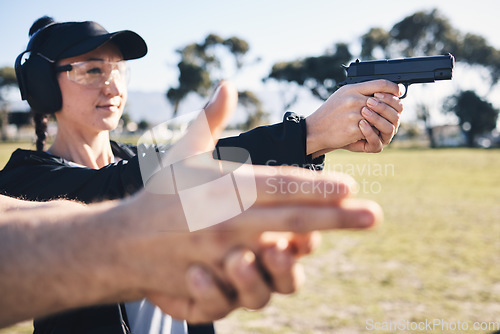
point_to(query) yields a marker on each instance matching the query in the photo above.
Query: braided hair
(41, 120)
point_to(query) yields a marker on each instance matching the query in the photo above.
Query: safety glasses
(96, 73)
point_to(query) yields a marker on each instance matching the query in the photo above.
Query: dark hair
(40, 23)
(41, 120)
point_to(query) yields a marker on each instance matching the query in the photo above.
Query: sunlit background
(275, 31)
(436, 257)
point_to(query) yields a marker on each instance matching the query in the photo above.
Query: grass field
(435, 259)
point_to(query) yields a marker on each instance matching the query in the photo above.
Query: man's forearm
(58, 275)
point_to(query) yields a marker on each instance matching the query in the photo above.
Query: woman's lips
(109, 107)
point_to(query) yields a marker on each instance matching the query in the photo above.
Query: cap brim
(131, 45)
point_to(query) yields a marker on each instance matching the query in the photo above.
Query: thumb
(220, 108)
(200, 137)
(203, 133)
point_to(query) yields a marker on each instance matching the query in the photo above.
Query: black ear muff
(19, 74)
(37, 79)
(40, 85)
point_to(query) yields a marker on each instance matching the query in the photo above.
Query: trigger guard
(406, 91)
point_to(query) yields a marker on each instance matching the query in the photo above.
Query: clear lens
(98, 73)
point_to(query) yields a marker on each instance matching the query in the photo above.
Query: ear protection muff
(38, 84)
(36, 76)
(19, 73)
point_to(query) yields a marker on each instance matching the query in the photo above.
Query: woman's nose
(115, 83)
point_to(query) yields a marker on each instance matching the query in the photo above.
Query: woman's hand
(362, 117)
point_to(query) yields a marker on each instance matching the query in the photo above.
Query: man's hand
(76, 252)
(203, 275)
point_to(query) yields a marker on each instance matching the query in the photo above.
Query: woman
(76, 71)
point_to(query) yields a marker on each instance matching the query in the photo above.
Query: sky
(275, 30)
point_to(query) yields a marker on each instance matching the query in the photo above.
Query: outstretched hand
(239, 262)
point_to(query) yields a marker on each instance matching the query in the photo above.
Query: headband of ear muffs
(34, 67)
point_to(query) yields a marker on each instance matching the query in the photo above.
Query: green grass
(436, 256)
(6, 150)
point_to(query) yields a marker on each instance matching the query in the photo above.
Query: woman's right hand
(361, 117)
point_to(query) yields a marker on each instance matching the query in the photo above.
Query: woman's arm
(352, 118)
(278, 144)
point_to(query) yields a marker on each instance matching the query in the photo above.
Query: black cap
(70, 39)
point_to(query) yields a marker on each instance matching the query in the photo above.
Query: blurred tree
(376, 38)
(476, 116)
(203, 65)
(475, 50)
(7, 80)
(192, 78)
(256, 115)
(430, 33)
(125, 118)
(423, 33)
(143, 125)
(423, 114)
(320, 75)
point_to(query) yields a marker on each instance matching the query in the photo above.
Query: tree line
(203, 64)
(424, 33)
